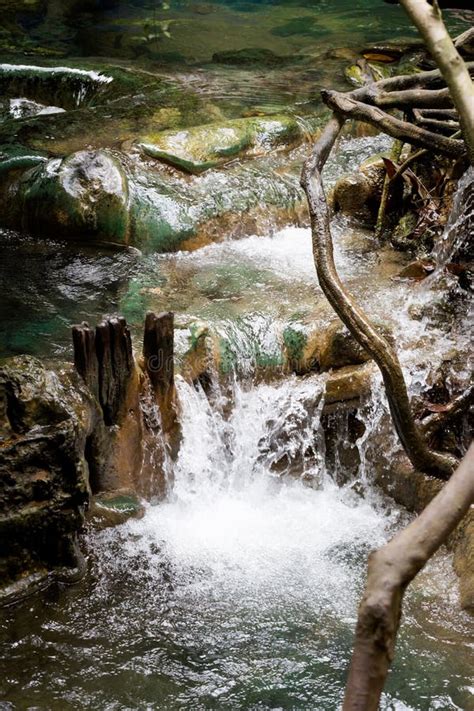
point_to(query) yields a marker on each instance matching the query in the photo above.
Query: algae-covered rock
(197, 149)
(44, 422)
(114, 508)
(85, 194)
(364, 72)
(67, 87)
(249, 57)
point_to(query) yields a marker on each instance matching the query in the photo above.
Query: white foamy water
(242, 588)
(233, 525)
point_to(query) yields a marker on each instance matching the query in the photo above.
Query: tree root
(353, 317)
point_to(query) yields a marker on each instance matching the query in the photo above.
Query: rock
(197, 149)
(419, 269)
(64, 87)
(45, 419)
(114, 508)
(351, 194)
(365, 72)
(346, 53)
(339, 348)
(358, 194)
(414, 491)
(349, 383)
(250, 57)
(84, 195)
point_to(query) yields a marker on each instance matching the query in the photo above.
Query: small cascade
(460, 226)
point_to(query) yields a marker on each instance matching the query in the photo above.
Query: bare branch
(430, 425)
(429, 21)
(390, 570)
(404, 131)
(419, 98)
(354, 318)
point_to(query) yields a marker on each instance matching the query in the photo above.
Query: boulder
(195, 150)
(45, 419)
(339, 348)
(349, 383)
(84, 195)
(414, 490)
(358, 194)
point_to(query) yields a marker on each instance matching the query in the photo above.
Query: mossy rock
(295, 341)
(249, 57)
(83, 195)
(67, 87)
(363, 72)
(114, 508)
(198, 149)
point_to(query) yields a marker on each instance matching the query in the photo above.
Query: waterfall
(460, 226)
(253, 516)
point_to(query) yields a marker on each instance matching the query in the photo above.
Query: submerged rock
(197, 149)
(249, 57)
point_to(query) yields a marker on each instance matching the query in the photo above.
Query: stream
(240, 590)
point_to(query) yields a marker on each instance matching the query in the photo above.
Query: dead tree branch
(429, 22)
(346, 105)
(431, 424)
(354, 318)
(390, 570)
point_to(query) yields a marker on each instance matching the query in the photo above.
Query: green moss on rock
(200, 148)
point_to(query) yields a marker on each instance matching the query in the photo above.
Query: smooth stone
(200, 148)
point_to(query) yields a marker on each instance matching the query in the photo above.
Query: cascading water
(460, 226)
(240, 591)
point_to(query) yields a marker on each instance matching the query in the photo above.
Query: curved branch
(390, 570)
(353, 317)
(428, 19)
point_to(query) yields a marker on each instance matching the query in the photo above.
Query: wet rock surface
(44, 485)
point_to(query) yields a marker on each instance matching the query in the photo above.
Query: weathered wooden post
(158, 354)
(104, 359)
